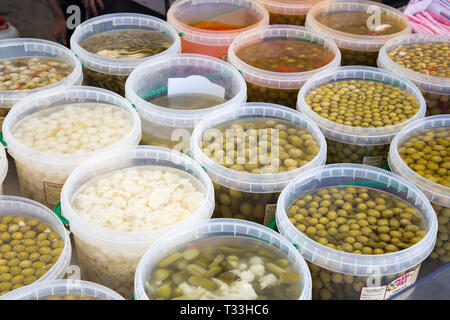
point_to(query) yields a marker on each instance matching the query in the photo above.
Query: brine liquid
(188, 101)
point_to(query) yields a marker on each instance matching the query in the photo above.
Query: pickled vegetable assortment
(216, 25)
(225, 267)
(259, 146)
(32, 73)
(441, 250)
(427, 152)
(357, 219)
(188, 101)
(278, 18)
(28, 249)
(69, 297)
(339, 152)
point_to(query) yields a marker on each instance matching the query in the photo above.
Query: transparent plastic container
(288, 11)
(27, 48)
(3, 167)
(356, 49)
(183, 14)
(277, 87)
(343, 275)
(47, 290)
(169, 127)
(435, 90)
(110, 73)
(217, 228)
(18, 206)
(348, 144)
(42, 174)
(110, 257)
(257, 191)
(438, 194)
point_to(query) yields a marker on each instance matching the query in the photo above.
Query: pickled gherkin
(238, 268)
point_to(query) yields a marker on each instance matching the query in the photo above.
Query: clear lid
(436, 193)
(216, 228)
(56, 97)
(18, 206)
(354, 135)
(250, 182)
(289, 7)
(272, 79)
(150, 79)
(47, 289)
(353, 41)
(23, 48)
(246, 13)
(126, 157)
(424, 82)
(3, 164)
(118, 21)
(351, 263)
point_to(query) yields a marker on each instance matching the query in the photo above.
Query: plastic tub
(42, 174)
(60, 288)
(277, 87)
(217, 228)
(357, 276)
(436, 90)
(111, 73)
(24, 48)
(356, 49)
(110, 257)
(3, 167)
(355, 144)
(18, 206)
(288, 11)
(169, 127)
(257, 191)
(238, 15)
(438, 194)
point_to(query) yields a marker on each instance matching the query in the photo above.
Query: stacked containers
(356, 48)
(13, 49)
(340, 274)
(240, 191)
(288, 11)
(64, 290)
(111, 72)
(210, 230)
(109, 256)
(25, 208)
(436, 192)
(3, 167)
(271, 86)
(42, 173)
(168, 127)
(209, 26)
(347, 143)
(435, 88)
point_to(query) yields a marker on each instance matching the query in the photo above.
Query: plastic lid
(3, 164)
(250, 182)
(18, 206)
(436, 193)
(425, 82)
(354, 135)
(217, 228)
(348, 40)
(126, 157)
(351, 263)
(289, 7)
(22, 47)
(282, 80)
(184, 12)
(151, 78)
(47, 289)
(57, 97)
(117, 21)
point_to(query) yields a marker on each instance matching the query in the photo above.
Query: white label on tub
(194, 84)
(52, 192)
(384, 292)
(270, 213)
(373, 161)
